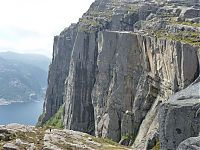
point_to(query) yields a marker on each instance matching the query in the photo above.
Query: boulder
(192, 13)
(10, 146)
(192, 143)
(179, 118)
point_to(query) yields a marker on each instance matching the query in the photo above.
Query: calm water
(23, 113)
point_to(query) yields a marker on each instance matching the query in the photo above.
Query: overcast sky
(28, 26)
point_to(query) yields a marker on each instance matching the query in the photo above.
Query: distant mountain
(31, 59)
(23, 77)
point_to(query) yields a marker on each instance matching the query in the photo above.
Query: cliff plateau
(122, 71)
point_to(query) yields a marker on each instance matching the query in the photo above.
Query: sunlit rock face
(116, 68)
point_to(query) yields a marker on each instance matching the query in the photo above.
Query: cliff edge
(113, 73)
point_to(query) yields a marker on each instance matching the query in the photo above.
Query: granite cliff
(122, 71)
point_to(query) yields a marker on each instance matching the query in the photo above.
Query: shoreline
(4, 102)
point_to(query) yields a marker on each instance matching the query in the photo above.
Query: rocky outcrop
(128, 84)
(10, 146)
(192, 143)
(32, 138)
(180, 117)
(128, 57)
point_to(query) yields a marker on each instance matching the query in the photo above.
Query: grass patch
(86, 23)
(30, 137)
(157, 146)
(105, 140)
(57, 120)
(39, 123)
(89, 22)
(188, 37)
(186, 23)
(129, 137)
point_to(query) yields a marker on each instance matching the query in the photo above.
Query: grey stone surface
(180, 117)
(192, 143)
(122, 66)
(56, 139)
(115, 83)
(79, 111)
(58, 72)
(192, 13)
(10, 146)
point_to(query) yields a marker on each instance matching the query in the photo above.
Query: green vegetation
(89, 22)
(57, 120)
(105, 140)
(93, 19)
(188, 23)
(39, 123)
(83, 28)
(157, 146)
(85, 24)
(184, 36)
(66, 141)
(129, 137)
(32, 137)
(108, 144)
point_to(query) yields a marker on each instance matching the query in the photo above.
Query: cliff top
(18, 137)
(173, 19)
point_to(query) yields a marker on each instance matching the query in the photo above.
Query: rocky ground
(21, 137)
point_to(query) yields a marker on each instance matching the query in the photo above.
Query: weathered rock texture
(127, 58)
(22, 137)
(79, 109)
(58, 72)
(192, 143)
(180, 117)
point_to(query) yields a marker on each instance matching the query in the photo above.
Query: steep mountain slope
(36, 60)
(119, 64)
(20, 81)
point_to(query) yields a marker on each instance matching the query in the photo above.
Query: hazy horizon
(28, 26)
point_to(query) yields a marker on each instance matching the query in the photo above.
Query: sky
(28, 26)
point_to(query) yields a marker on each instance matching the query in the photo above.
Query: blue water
(22, 113)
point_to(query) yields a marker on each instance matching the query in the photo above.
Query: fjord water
(24, 113)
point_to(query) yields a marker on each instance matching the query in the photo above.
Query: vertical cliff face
(79, 111)
(58, 72)
(165, 76)
(134, 74)
(118, 64)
